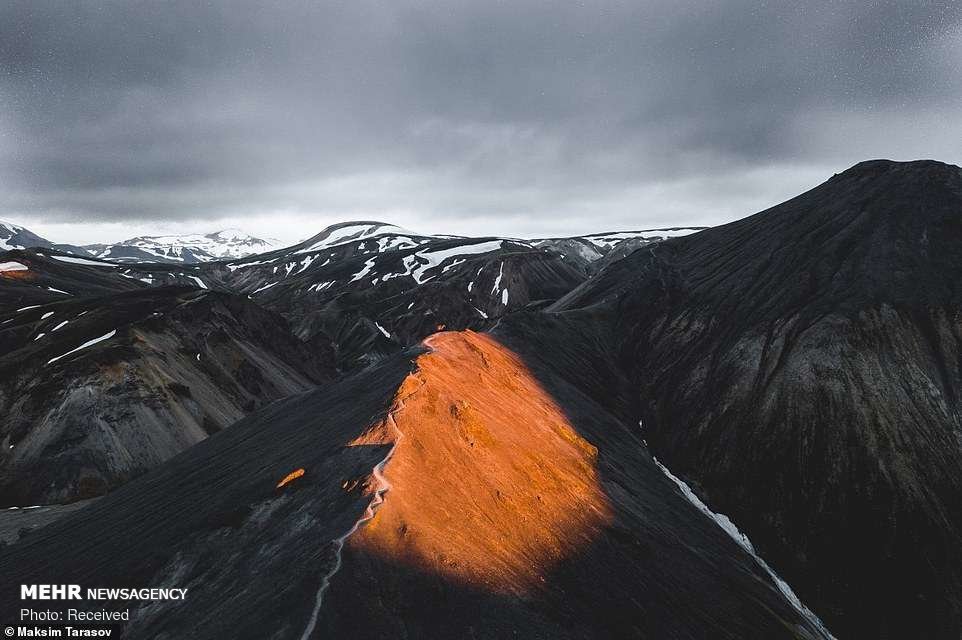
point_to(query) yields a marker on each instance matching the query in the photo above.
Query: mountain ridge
(800, 367)
(799, 371)
(191, 248)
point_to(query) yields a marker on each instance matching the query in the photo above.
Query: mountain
(95, 391)
(373, 288)
(33, 277)
(183, 249)
(499, 513)
(593, 251)
(13, 236)
(417, 284)
(801, 369)
(451, 437)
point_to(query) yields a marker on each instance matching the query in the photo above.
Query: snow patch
(305, 263)
(368, 265)
(350, 233)
(89, 343)
(84, 261)
(416, 269)
(729, 527)
(453, 264)
(608, 240)
(321, 286)
(264, 288)
(497, 281)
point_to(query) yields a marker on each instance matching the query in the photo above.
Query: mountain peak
(353, 230)
(879, 167)
(231, 234)
(188, 248)
(14, 236)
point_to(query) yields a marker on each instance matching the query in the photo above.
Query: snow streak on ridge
(729, 527)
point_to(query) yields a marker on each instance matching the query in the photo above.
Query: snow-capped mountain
(184, 249)
(13, 236)
(371, 286)
(596, 250)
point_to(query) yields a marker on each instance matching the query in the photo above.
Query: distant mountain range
(229, 244)
(172, 249)
(372, 287)
(185, 249)
(14, 236)
(747, 431)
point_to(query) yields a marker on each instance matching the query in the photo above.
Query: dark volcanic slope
(95, 391)
(368, 287)
(211, 521)
(499, 513)
(802, 367)
(36, 277)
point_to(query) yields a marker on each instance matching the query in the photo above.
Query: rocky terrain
(13, 236)
(483, 530)
(34, 277)
(372, 288)
(802, 368)
(99, 390)
(747, 432)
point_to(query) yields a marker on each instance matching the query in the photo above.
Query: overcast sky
(519, 118)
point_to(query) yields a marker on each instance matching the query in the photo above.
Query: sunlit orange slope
(18, 275)
(490, 484)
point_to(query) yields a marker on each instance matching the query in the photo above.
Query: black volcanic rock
(96, 391)
(803, 368)
(471, 291)
(609, 545)
(40, 276)
(210, 520)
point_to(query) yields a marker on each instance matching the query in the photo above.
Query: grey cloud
(519, 114)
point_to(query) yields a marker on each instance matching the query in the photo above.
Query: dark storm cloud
(516, 111)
